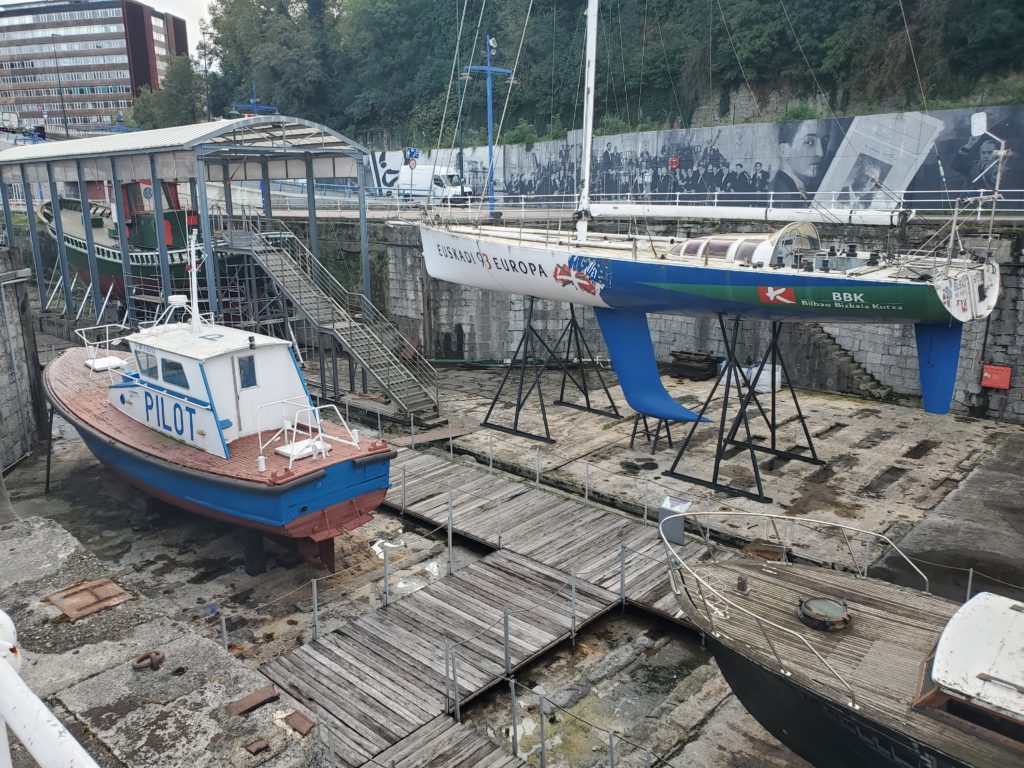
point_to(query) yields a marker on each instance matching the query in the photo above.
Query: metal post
(515, 719)
(647, 481)
(49, 451)
(622, 576)
(455, 688)
(412, 431)
(364, 242)
(387, 589)
(268, 204)
(209, 263)
(490, 130)
(122, 237)
(447, 676)
(451, 444)
(490, 452)
(611, 749)
(62, 253)
(159, 229)
(508, 653)
(224, 631)
(33, 236)
(314, 234)
(572, 602)
(380, 430)
(536, 466)
(90, 243)
(586, 484)
(970, 582)
(316, 611)
(499, 525)
(403, 492)
(449, 529)
(543, 735)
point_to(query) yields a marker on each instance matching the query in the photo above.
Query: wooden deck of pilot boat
(84, 394)
(892, 632)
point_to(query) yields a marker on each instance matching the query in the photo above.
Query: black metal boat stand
(527, 357)
(725, 447)
(654, 437)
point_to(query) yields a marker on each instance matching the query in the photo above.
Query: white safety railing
(712, 609)
(35, 726)
(304, 429)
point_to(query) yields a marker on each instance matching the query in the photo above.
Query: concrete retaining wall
(18, 420)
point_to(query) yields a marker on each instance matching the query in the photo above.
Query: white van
(417, 179)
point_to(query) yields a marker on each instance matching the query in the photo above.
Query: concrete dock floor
(948, 487)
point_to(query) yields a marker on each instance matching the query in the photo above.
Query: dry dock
(374, 681)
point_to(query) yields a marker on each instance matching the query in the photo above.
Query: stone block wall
(18, 422)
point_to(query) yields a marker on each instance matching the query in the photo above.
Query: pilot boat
(218, 421)
(851, 671)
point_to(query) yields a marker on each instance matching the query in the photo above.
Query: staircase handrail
(311, 294)
(371, 315)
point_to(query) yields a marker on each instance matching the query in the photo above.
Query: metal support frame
(209, 263)
(364, 238)
(229, 208)
(656, 437)
(33, 236)
(62, 251)
(158, 226)
(122, 238)
(733, 375)
(314, 233)
(527, 356)
(90, 244)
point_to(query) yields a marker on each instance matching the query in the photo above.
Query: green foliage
(522, 133)
(610, 124)
(801, 111)
(178, 102)
(381, 70)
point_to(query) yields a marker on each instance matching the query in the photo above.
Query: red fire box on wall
(996, 376)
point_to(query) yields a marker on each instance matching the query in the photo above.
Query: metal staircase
(361, 329)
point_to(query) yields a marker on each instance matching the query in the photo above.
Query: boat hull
(823, 732)
(665, 287)
(311, 510)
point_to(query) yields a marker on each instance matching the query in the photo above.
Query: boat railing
(711, 601)
(304, 423)
(283, 413)
(99, 339)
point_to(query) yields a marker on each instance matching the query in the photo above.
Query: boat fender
(375, 458)
(148, 660)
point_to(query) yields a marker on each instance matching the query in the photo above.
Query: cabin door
(248, 392)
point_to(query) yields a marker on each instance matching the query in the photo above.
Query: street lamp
(490, 48)
(60, 87)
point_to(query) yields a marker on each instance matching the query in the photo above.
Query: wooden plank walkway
(444, 742)
(381, 678)
(541, 524)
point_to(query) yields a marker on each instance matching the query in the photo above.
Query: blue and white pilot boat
(218, 421)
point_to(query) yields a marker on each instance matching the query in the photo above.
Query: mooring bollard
(316, 612)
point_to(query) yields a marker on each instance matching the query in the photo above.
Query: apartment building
(80, 63)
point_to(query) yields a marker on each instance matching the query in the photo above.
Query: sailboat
(851, 671)
(785, 275)
(218, 421)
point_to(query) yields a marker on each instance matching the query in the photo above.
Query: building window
(247, 372)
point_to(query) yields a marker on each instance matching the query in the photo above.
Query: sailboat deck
(83, 393)
(907, 270)
(892, 632)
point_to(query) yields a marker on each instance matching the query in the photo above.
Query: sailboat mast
(583, 205)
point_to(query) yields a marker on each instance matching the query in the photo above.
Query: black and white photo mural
(869, 161)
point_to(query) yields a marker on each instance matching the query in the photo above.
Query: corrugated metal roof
(266, 131)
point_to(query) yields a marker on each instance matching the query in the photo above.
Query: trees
(178, 102)
(383, 68)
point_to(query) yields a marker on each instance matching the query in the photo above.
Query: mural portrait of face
(802, 150)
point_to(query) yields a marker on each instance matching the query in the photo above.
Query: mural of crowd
(872, 161)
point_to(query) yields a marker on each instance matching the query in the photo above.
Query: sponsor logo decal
(497, 263)
(564, 276)
(776, 295)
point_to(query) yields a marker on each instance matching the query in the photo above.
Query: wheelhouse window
(247, 371)
(148, 364)
(174, 373)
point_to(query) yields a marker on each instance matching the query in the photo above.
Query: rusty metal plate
(88, 598)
